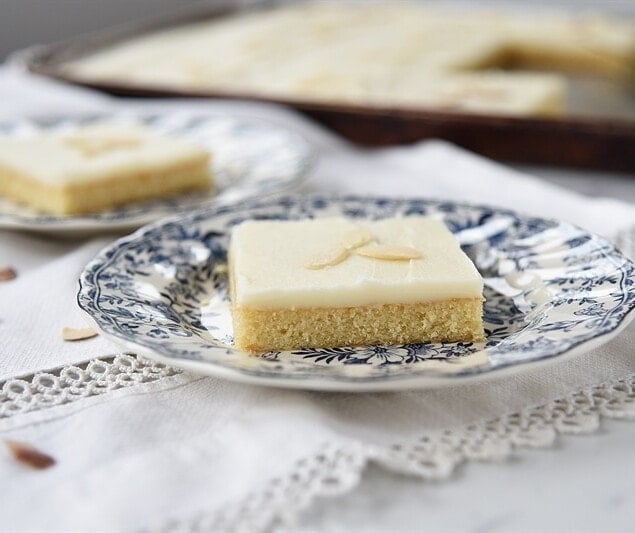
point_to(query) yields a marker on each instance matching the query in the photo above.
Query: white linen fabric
(139, 446)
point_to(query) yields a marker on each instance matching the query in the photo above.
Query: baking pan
(604, 139)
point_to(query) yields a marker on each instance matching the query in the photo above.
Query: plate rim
(349, 383)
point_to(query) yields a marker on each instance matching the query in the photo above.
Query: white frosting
(93, 152)
(395, 52)
(269, 257)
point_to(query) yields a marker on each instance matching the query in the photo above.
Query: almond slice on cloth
(7, 274)
(78, 334)
(389, 252)
(28, 455)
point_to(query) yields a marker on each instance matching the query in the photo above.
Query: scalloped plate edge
(210, 369)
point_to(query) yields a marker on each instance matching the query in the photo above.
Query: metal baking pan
(598, 130)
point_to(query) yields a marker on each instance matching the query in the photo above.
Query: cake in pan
(387, 54)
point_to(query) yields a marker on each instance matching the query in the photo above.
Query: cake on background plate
(336, 282)
(99, 166)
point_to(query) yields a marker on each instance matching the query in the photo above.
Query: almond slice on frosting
(327, 259)
(355, 238)
(389, 252)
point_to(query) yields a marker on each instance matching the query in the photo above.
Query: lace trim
(71, 383)
(435, 457)
(338, 470)
(330, 472)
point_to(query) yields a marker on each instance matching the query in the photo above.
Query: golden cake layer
(259, 330)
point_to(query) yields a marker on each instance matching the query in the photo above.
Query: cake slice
(337, 282)
(97, 167)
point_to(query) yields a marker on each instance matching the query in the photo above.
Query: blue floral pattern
(550, 288)
(251, 158)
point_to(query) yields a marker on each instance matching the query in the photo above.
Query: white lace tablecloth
(141, 446)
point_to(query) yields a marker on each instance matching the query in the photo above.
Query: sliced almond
(389, 252)
(7, 274)
(92, 147)
(78, 334)
(29, 455)
(327, 259)
(355, 238)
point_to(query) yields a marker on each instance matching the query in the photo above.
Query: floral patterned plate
(251, 158)
(551, 289)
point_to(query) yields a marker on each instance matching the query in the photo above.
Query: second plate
(250, 158)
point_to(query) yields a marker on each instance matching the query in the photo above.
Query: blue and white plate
(552, 290)
(251, 158)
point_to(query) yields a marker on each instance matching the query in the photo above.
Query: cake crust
(257, 330)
